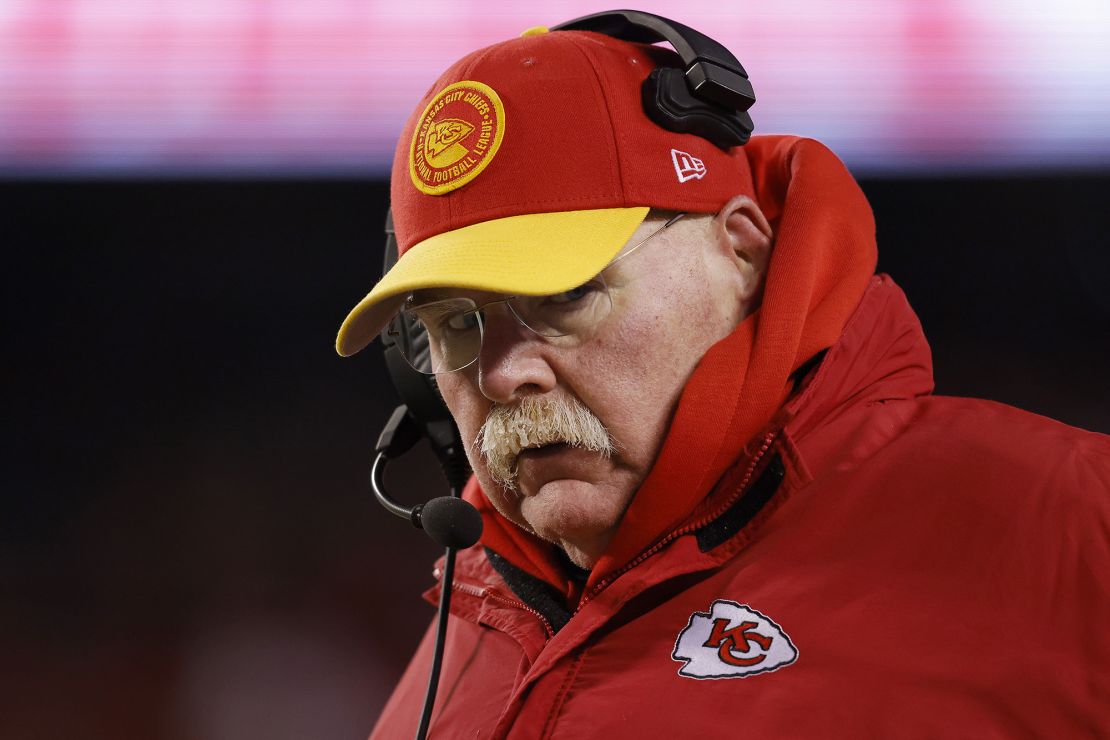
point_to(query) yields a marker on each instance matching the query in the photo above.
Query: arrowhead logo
(732, 641)
(441, 144)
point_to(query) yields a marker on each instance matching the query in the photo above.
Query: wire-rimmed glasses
(446, 336)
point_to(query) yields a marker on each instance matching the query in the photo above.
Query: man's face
(675, 297)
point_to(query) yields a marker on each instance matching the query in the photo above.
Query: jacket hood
(823, 258)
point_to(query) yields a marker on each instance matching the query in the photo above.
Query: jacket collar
(881, 357)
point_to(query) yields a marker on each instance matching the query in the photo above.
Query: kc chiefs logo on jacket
(732, 640)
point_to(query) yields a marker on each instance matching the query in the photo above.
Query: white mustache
(534, 422)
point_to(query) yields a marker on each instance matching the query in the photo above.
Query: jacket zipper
(487, 593)
(698, 524)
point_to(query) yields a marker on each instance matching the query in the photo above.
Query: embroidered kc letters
(732, 641)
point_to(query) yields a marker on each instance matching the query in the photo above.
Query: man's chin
(573, 513)
(571, 497)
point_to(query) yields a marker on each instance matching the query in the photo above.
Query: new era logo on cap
(687, 166)
(732, 641)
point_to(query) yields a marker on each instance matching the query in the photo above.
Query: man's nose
(512, 363)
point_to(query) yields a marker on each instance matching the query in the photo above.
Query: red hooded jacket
(875, 562)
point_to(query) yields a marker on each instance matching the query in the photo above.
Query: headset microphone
(448, 520)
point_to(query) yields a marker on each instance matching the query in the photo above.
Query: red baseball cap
(528, 165)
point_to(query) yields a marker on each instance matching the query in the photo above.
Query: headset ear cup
(403, 338)
(406, 336)
(410, 339)
(708, 96)
(668, 101)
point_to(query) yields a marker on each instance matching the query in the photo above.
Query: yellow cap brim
(532, 254)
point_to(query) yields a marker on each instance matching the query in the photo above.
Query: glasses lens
(576, 311)
(443, 336)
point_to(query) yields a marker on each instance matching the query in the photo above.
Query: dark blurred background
(188, 544)
(190, 548)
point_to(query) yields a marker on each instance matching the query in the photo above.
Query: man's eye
(462, 321)
(574, 294)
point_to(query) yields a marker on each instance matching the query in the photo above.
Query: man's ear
(743, 231)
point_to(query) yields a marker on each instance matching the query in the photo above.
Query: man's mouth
(538, 466)
(542, 452)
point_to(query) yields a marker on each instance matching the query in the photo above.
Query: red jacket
(880, 562)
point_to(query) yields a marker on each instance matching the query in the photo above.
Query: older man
(719, 498)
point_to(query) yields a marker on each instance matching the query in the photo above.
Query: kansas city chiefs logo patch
(732, 641)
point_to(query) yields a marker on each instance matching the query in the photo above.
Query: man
(719, 498)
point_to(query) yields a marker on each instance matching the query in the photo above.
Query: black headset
(709, 96)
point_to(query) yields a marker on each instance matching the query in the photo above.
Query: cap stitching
(608, 114)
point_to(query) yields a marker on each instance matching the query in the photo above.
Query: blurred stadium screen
(321, 88)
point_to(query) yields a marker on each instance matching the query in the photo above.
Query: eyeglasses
(446, 336)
